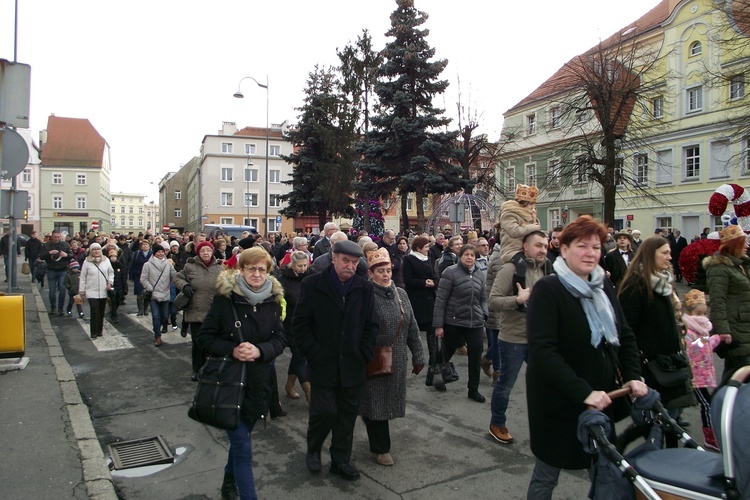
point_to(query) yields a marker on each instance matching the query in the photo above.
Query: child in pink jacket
(700, 347)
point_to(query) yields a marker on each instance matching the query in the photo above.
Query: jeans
(512, 356)
(240, 457)
(159, 315)
(493, 353)
(56, 282)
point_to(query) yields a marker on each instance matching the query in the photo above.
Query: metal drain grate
(140, 452)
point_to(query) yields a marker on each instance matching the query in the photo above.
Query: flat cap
(348, 247)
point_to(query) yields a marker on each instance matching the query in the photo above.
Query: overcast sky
(154, 77)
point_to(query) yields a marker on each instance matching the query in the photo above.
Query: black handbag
(221, 389)
(181, 302)
(441, 372)
(669, 370)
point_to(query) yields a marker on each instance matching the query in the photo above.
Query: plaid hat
(694, 297)
(73, 264)
(730, 233)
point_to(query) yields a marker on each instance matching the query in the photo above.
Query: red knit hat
(204, 244)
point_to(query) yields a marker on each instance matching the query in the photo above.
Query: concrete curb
(96, 474)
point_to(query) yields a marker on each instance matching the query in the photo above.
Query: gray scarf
(252, 296)
(661, 283)
(596, 305)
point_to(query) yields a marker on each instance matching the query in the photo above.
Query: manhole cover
(140, 452)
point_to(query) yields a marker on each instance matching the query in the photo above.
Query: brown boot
(290, 392)
(306, 388)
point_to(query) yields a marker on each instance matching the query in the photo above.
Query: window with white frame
(131, 221)
(272, 226)
(140, 221)
(122, 221)
(122, 209)
(746, 160)
(696, 49)
(510, 180)
(148, 213)
(57, 178)
(641, 169)
(720, 164)
(718, 223)
(30, 202)
(57, 202)
(664, 167)
(227, 199)
(554, 217)
(657, 107)
(274, 200)
(664, 223)
(80, 201)
(113, 209)
(274, 150)
(177, 194)
(582, 115)
(250, 222)
(140, 210)
(581, 169)
(554, 173)
(555, 116)
(131, 209)
(226, 220)
(251, 175)
(80, 179)
(695, 99)
(251, 199)
(531, 124)
(227, 174)
(619, 173)
(249, 149)
(737, 87)
(226, 147)
(274, 176)
(113, 221)
(26, 177)
(531, 179)
(692, 155)
(178, 213)
(409, 203)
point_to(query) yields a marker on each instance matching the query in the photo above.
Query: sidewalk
(49, 448)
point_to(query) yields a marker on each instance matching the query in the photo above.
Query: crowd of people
(586, 308)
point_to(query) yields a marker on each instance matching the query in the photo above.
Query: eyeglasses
(253, 270)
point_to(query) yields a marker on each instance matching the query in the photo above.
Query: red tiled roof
(72, 142)
(566, 77)
(260, 132)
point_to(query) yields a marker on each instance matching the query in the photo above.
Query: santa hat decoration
(740, 199)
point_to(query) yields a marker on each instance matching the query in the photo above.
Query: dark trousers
(455, 337)
(197, 356)
(97, 307)
(298, 364)
(32, 266)
(431, 341)
(114, 304)
(333, 410)
(379, 435)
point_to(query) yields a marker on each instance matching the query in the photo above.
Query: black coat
(655, 326)
(336, 336)
(415, 273)
(261, 326)
(120, 284)
(56, 264)
(564, 368)
(33, 248)
(615, 264)
(292, 284)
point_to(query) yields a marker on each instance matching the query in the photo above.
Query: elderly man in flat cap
(334, 326)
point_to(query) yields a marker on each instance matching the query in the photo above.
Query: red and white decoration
(740, 199)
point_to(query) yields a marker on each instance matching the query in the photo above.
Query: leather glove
(417, 368)
(188, 291)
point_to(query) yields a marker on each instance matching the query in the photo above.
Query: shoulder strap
(162, 272)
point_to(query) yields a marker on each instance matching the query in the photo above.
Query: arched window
(696, 48)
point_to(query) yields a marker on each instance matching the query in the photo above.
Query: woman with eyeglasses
(252, 297)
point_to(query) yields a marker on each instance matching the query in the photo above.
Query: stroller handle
(617, 393)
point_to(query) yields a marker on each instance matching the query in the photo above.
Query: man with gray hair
(323, 261)
(323, 245)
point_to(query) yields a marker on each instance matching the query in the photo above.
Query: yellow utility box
(12, 326)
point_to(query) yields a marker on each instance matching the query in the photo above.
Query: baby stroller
(675, 473)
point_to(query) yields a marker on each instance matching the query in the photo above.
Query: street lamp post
(239, 95)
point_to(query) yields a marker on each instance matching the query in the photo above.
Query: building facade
(683, 138)
(130, 213)
(232, 181)
(74, 187)
(173, 197)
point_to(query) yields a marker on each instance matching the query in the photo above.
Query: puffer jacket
(493, 267)
(729, 297)
(261, 325)
(461, 298)
(202, 279)
(502, 300)
(96, 278)
(160, 287)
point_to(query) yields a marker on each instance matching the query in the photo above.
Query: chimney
(228, 128)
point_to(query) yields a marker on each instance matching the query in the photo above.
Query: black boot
(274, 406)
(229, 487)
(139, 300)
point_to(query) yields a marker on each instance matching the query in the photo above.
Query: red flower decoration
(689, 256)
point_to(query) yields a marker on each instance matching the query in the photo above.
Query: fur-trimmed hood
(226, 283)
(720, 259)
